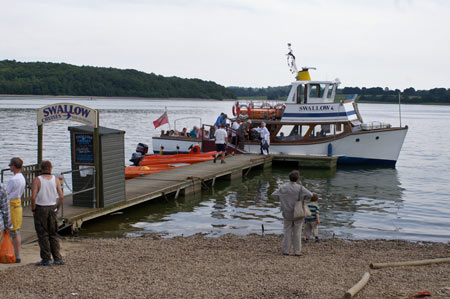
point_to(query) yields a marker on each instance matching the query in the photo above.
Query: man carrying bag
(288, 194)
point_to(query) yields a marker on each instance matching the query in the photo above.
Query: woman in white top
(45, 206)
(265, 138)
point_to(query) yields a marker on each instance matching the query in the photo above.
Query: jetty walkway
(171, 183)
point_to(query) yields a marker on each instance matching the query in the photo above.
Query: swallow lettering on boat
(316, 108)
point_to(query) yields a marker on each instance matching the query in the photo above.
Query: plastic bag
(7, 250)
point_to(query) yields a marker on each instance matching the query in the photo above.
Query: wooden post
(98, 203)
(40, 145)
(410, 263)
(357, 287)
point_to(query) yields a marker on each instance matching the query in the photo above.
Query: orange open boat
(135, 171)
(177, 158)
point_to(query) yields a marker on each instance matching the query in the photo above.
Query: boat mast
(399, 110)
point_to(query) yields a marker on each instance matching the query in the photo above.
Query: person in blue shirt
(193, 132)
(221, 120)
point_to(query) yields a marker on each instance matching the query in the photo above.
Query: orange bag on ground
(7, 251)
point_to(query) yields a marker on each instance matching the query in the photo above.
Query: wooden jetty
(308, 161)
(171, 183)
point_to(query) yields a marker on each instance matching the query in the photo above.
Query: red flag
(163, 119)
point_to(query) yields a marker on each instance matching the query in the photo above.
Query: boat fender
(330, 150)
(233, 110)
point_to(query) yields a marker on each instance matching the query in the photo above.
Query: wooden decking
(171, 183)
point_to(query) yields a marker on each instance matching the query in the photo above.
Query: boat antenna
(291, 61)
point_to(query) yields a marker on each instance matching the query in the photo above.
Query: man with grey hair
(242, 133)
(288, 194)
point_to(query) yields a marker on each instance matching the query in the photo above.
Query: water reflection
(351, 200)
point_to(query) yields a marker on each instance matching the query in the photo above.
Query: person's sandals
(46, 263)
(298, 254)
(18, 261)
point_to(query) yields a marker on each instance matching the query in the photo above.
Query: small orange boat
(253, 110)
(177, 158)
(135, 171)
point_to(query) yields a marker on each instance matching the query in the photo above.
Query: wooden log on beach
(357, 287)
(410, 263)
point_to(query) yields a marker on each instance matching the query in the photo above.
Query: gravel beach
(228, 267)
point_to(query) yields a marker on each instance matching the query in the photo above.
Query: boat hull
(375, 147)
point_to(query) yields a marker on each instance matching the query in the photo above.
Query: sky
(365, 43)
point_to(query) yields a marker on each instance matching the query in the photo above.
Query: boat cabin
(312, 92)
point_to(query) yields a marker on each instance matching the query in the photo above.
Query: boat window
(300, 92)
(330, 90)
(316, 90)
(326, 130)
(291, 132)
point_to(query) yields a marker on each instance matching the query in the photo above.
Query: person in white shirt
(221, 143)
(235, 126)
(15, 189)
(265, 138)
(46, 200)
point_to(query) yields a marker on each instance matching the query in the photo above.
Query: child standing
(312, 222)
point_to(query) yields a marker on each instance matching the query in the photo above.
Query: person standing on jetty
(288, 194)
(45, 206)
(15, 189)
(264, 135)
(242, 133)
(221, 143)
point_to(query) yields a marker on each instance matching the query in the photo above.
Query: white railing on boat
(375, 125)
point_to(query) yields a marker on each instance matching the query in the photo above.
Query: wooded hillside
(42, 78)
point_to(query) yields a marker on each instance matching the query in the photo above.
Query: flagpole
(165, 111)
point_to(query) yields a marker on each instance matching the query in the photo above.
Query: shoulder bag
(301, 209)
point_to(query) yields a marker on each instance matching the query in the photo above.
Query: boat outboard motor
(141, 151)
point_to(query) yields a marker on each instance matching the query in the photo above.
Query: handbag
(7, 251)
(301, 209)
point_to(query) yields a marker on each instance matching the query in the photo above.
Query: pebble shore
(229, 267)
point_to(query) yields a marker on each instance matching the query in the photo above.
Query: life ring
(238, 108)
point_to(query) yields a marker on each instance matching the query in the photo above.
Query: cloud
(365, 43)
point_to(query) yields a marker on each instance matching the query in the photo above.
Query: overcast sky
(365, 43)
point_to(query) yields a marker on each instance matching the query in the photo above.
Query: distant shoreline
(93, 98)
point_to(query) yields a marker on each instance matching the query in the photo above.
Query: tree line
(374, 94)
(44, 78)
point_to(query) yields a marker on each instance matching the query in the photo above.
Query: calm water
(409, 202)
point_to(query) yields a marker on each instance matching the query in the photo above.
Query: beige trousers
(311, 227)
(292, 235)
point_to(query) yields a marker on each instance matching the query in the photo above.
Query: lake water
(410, 202)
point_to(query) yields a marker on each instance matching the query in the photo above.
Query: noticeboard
(83, 149)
